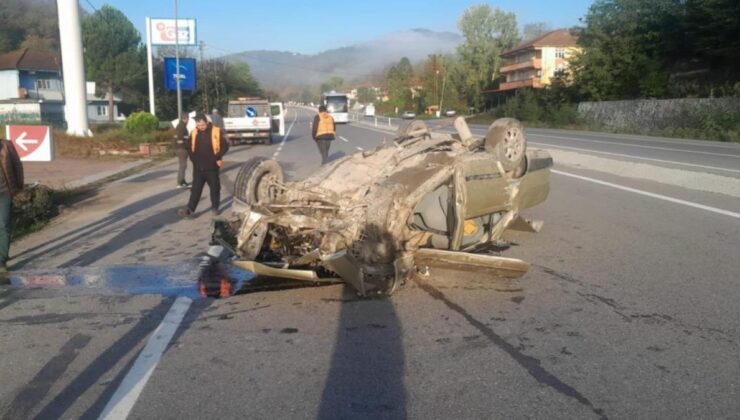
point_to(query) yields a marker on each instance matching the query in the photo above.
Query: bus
(338, 106)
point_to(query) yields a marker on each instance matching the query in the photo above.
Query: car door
(278, 118)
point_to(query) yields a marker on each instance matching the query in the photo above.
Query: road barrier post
(376, 121)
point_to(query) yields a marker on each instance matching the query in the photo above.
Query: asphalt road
(629, 309)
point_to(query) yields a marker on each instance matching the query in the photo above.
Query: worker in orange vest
(323, 131)
(207, 147)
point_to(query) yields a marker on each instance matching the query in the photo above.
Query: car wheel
(256, 181)
(505, 139)
(414, 128)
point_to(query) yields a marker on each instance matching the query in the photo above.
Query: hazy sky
(311, 26)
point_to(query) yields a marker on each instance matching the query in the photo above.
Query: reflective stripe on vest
(326, 124)
(215, 141)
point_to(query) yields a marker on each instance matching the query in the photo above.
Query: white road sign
(32, 142)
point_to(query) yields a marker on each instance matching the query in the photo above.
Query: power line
(91, 5)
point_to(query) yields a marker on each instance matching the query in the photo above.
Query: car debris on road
(375, 218)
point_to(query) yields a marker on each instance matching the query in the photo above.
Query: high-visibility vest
(215, 141)
(326, 125)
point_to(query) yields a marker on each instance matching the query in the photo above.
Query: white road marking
(360, 148)
(635, 157)
(343, 139)
(636, 145)
(678, 141)
(285, 137)
(649, 194)
(120, 405)
(379, 130)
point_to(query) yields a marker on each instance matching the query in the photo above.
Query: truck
(253, 120)
(369, 110)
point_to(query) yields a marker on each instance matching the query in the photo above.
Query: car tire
(253, 182)
(506, 140)
(413, 128)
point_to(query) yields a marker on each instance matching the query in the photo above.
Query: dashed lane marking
(649, 194)
(285, 137)
(343, 139)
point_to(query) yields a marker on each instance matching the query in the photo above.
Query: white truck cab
(250, 120)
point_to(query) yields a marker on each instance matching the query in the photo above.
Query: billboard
(187, 73)
(163, 31)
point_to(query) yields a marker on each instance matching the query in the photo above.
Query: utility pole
(203, 77)
(75, 92)
(177, 63)
(149, 64)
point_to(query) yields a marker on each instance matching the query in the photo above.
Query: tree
(365, 95)
(625, 49)
(218, 80)
(28, 24)
(114, 56)
(488, 33)
(334, 83)
(398, 83)
(535, 30)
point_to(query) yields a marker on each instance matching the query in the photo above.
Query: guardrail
(387, 123)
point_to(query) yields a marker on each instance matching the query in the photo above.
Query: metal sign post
(149, 63)
(167, 32)
(177, 64)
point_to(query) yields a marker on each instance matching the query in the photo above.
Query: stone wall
(658, 114)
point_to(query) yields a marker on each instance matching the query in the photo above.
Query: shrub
(141, 123)
(32, 208)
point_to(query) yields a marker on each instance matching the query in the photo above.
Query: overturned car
(426, 199)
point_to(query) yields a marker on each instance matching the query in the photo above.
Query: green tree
(28, 24)
(334, 83)
(114, 56)
(534, 30)
(398, 84)
(218, 80)
(488, 33)
(365, 95)
(626, 48)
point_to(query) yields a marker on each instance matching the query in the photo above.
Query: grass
(106, 141)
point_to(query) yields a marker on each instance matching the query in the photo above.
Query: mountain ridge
(276, 70)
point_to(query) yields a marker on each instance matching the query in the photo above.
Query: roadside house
(31, 87)
(534, 63)
(97, 106)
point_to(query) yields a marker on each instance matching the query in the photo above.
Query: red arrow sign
(28, 138)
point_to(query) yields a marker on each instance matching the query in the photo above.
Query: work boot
(215, 212)
(185, 213)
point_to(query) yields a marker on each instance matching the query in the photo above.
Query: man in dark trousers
(217, 120)
(11, 183)
(181, 150)
(206, 147)
(323, 131)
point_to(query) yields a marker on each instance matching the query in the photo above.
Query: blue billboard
(187, 73)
